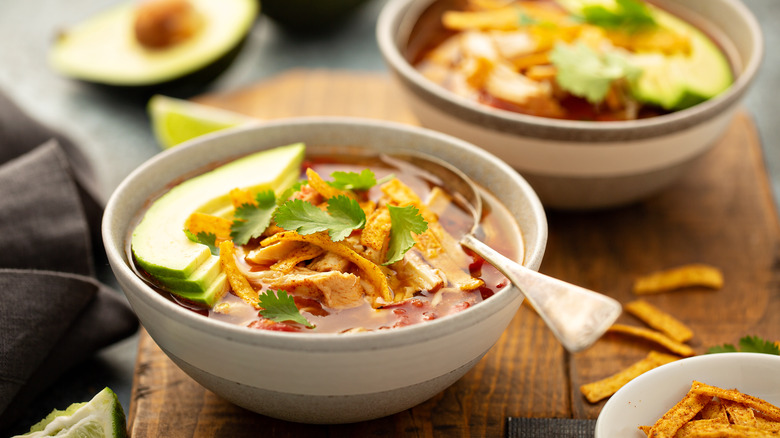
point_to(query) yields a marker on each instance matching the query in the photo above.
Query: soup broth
(497, 228)
(544, 58)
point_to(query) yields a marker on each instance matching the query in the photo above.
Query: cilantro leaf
(404, 221)
(290, 190)
(348, 214)
(586, 73)
(725, 348)
(748, 344)
(251, 220)
(343, 216)
(208, 239)
(631, 15)
(353, 181)
(280, 307)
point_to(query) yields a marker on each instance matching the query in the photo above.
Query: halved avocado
(105, 49)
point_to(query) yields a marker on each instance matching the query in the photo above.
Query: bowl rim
(707, 361)
(389, 31)
(115, 240)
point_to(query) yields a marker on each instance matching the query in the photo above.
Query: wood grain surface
(721, 213)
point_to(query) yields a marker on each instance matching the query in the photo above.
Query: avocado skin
(184, 86)
(310, 16)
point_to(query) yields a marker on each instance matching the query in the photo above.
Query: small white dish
(645, 399)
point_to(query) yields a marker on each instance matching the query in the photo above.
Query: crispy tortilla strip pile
(709, 411)
(681, 277)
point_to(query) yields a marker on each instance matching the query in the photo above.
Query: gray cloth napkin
(53, 312)
(549, 428)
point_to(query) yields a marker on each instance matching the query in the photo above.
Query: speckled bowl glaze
(321, 378)
(574, 164)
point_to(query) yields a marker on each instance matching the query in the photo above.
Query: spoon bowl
(578, 317)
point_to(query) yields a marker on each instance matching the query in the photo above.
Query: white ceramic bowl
(576, 164)
(645, 399)
(321, 378)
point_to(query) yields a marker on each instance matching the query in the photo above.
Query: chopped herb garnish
(252, 219)
(343, 216)
(280, 307)
(748, 344)
(208, 239)
(404, 221)
(632, 15)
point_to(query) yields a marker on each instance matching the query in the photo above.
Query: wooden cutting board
(721, 213)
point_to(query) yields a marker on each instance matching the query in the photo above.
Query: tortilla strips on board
(678, 278)
(687, 408)
(767, 410)
(205, 223)
(604, 388)
(654, 336)
(238, 283)
(373, 273)
(438, 246)
(659, 320)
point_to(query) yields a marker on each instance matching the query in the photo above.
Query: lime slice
(175, 120)
(100, 417)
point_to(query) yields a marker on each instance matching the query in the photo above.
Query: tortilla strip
(659, 320)
(326, 190)
(238, 283)
(376, 233)
(239, 197)
(767, 409)
(205, 223)
(687, 408)
(306, 252)
(680, 277)
(698, 429)
(654, 336)
(373, 273)
(766, 424)
(604, 388)
(715, 411)
(498, 19)
(739, 413)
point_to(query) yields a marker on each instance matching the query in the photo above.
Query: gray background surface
(116, 135)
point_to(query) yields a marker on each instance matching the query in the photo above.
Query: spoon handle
(577, 316)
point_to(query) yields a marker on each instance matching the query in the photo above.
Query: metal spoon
(577, 316)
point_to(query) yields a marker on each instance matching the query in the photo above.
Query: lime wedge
(176, 120)
(100, 417)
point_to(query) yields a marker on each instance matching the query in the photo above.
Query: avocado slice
(105, 50)
(674, 81)
(159, 244)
